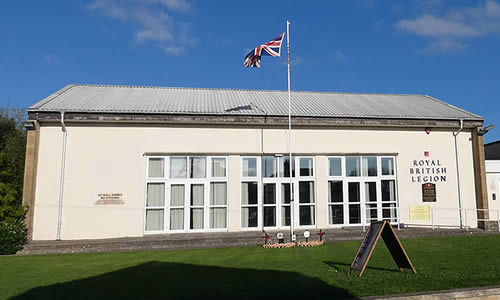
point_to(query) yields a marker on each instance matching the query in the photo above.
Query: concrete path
(485, 293)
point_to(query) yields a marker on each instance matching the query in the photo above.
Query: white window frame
(278, 181)
(362, 181)
(257, 179)
(187, 182)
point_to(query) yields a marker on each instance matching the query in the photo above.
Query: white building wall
(111, 159)
(493, 181)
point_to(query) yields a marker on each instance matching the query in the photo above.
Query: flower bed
(299, 244)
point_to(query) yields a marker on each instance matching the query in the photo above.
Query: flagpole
(290, 164)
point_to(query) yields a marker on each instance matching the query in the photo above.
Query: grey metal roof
(168, 100)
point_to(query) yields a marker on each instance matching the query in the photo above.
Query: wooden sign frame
(375, 231)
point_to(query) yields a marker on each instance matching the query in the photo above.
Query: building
(123, 161)
(492, 155)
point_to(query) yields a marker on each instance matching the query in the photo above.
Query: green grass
(254, 272)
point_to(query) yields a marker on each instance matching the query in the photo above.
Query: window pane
(306, 215)
(155, 167)
(353, 191)
(285, 216)
(371, 191)
(176, 219)
(218, 217)
(387, 166)
(352, 166)
(388, 190)
(284, 163)
(250, 167)
(218, 167)
(306, 167)
(198, 167)
(178, 167)
(156, 194)
(306, 192)
(197, 194)
(285, 193)
(218, 195)
(369, 166)
(154, 219)
(270, 216)
(269, 193)
(177, 195)
(335, 191)
(335, 166)
(389, 212)
(196, 218)
(249, 193)
(354, 214)
(371, 213)
(269, 166)
(336, 214)
(249, 217)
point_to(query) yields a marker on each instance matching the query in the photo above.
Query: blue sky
(447, 49)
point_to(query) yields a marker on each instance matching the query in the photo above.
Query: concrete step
(217, 240)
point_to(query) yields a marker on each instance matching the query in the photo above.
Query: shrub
(13, 236)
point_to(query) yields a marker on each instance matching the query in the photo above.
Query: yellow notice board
(420, 212)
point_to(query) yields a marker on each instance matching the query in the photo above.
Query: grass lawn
(252, 272)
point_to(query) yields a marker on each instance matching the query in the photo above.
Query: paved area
(217, 240)
(486, 293)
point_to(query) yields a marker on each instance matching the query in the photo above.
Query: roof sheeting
(166, 100)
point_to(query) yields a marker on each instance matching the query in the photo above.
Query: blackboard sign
(429, 192)
(375, 231)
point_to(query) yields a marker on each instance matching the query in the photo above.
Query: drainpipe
(455, 134)
(61, 182)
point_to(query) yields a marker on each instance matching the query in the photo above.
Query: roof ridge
(242, 90)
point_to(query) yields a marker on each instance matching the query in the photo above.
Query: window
(249, 167)
(186, 193)
(369, 166)
(335, 202)
(218, 204)
(335, 166)
(387, 166)
(306, 203)
(269, 166)
(218, 167)
(266, 197)
(365, 193)
(155, 202)
(156, 167)
(306, 166)
(270, 204)
(178, 167)
(249, 204)
(352, 166)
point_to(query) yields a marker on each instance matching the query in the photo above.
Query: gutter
(457, 161)
(61, 181)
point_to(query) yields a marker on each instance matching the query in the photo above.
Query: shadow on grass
(335, 264)
(161, 280)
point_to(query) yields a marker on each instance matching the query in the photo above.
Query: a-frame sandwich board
(375, 231)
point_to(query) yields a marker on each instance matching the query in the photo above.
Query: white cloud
(151, 19)
(450, 31)
(51, 59)
(174, 50)
(339, 55)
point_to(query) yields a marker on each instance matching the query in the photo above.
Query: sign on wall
(427, 170)
(109, 199)
(428, 192)
(420, 212)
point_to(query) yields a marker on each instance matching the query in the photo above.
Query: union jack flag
(272, 48)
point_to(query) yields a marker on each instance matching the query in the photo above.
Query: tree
(12, 151)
